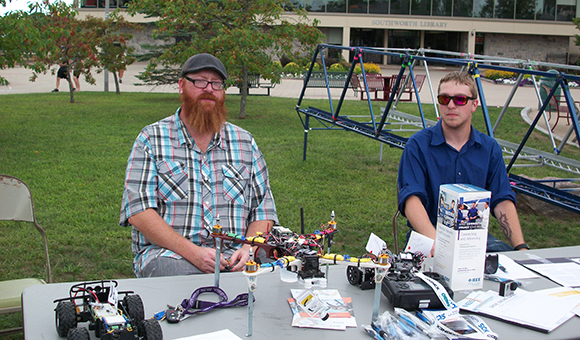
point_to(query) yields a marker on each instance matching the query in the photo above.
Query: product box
(462, 223)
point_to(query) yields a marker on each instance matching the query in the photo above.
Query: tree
(246, 35)
(18, 40)
(115, 53)
(72, 41)
(51, 34)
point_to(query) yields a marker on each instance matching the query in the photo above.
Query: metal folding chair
(16, 205)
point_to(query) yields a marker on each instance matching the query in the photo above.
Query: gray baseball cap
(204, 61)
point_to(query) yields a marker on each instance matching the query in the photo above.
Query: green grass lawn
(73, 156)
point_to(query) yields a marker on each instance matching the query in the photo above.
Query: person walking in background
(77, 69)
(62, 73)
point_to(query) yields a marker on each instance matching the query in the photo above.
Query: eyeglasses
(202, 83)
(459, 100)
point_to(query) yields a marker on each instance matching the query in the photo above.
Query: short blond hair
(460, 77)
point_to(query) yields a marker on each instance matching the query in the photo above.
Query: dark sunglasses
(459, 100)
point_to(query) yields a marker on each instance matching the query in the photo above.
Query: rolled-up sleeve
(497, 179)
(412, 178)
(139, 193)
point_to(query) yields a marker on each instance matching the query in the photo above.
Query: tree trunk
(244, 94)
(71, 88)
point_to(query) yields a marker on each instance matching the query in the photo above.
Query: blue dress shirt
(428, 161)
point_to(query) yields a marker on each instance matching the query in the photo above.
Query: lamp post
(106, 73)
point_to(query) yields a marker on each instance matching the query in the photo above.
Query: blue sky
(22, 5)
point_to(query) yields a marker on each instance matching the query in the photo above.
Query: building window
(357, 6)
(421, 7)
(546, 10)
(112, 4)
(400, 6)
(483, 8)
(89, 3)
(315, 5)
(525, 9)
(336, 6)
(102, 3)
(504, 9)
(292, 5)
(566, 12)
(379, 6)
(442, 7)
(463, 8)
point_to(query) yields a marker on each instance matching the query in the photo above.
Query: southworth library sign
(408, 23)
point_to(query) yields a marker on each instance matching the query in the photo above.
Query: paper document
(557, 305)
(224, 334)
(419, 243)
(340, 310)
(563, 270)
(511, 270)
(375, 244)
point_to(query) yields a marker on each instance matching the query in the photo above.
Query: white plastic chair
(16, 205)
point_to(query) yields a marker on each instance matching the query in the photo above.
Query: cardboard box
(462, 224)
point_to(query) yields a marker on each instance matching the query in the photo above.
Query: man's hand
(241, 256)
(417, 216)
(239, 259)
(204, 260)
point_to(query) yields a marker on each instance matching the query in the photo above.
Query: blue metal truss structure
(378, 128)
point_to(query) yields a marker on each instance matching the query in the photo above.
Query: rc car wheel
(78, 334)
(135, 309)
(353, 275)
(150, 329)
(66, 317)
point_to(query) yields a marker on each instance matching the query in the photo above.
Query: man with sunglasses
(189, 172)
(453, 151)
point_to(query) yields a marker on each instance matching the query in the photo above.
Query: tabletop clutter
(422, 300)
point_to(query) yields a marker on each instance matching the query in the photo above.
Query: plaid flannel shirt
(166, 171)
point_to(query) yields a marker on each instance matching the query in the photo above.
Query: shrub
(293, 68)
(337, 67)
(495, 74)
(369, 68)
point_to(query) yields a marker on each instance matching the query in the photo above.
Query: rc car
(97, 302)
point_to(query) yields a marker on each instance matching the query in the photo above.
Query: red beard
(204, 117)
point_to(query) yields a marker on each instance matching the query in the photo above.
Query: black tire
(78, 334)
(134, 306)
(150, 329)
(353, 275)
(66, 317)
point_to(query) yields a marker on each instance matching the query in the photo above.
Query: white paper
(375, 244)
(419, 243)
(562, 270)
(557, 305)
(224, 334)
(513, 270)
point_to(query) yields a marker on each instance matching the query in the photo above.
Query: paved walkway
(495, 94)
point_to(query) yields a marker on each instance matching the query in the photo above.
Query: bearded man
(190, 171)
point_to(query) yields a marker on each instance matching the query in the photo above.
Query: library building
(536, 30)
